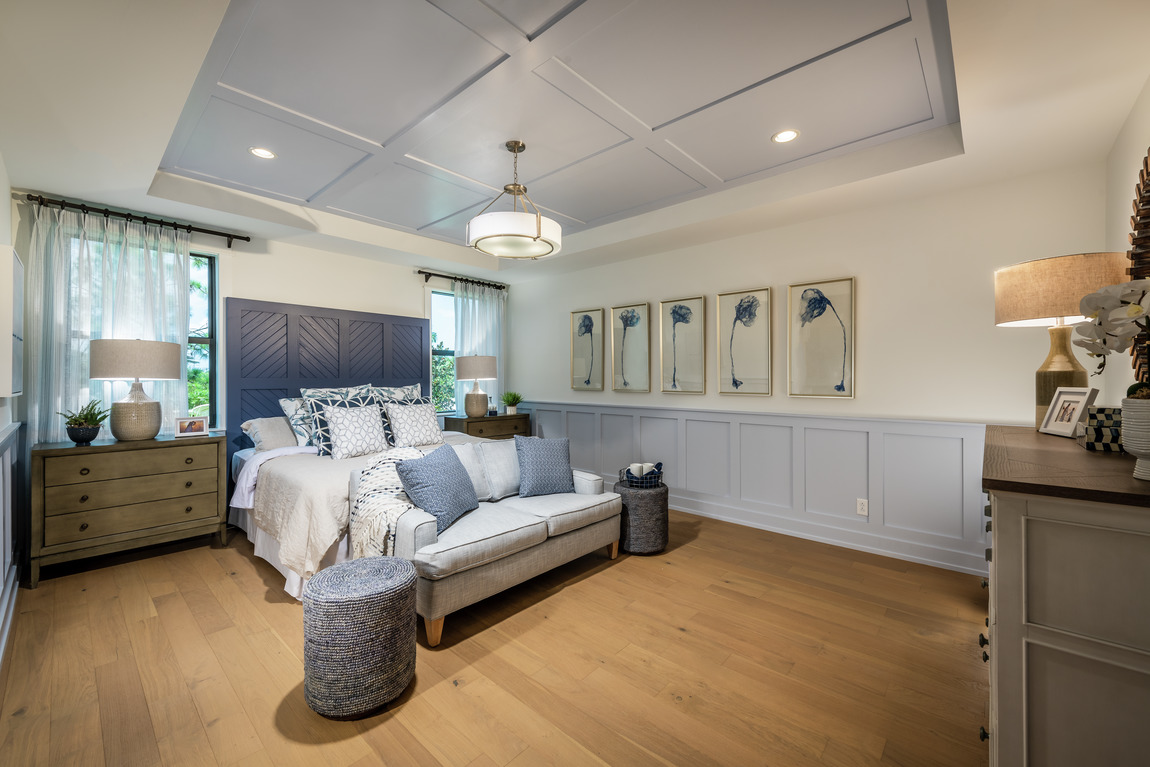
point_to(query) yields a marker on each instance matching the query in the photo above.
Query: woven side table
(358, 635)
(644, 524)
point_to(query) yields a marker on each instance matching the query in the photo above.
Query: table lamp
(475, 368)
(137, 416)
(1046, 293)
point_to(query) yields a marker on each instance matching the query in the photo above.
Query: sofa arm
(587, 483)
(414, 530)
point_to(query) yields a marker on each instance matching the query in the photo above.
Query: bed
(273, 350)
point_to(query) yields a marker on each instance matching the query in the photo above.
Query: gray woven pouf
(358, 635)
(644, 522)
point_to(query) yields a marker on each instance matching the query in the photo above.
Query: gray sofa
(503, 542)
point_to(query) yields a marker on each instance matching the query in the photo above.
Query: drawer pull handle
(982, 640)
(983, 734)
(84, 472)
(988, 559)
(988, 527)
(188, 484)
(83, 499)
(188, 510)
(985, 657)
(985, 583)
(84, 526)
(188, 460)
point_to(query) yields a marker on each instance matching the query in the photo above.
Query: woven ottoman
(358, 635)
(644, 522)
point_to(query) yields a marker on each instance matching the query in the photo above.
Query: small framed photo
(1067, 408)
(192, 427)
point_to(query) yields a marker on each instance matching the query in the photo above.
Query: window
(202, 337)
(443, 352)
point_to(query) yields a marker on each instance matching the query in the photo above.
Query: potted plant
(512, 399)
(84, 425)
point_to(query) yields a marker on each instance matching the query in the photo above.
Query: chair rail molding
(800, 475)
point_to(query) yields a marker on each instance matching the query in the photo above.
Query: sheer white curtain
(96, 277)
(479, 330)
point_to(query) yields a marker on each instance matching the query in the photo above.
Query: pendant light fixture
(514, 233)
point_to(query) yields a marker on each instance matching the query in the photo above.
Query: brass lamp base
(136, 417)
(1060, 368)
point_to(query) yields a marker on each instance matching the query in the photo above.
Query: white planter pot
(1136, 434)
(512, 409)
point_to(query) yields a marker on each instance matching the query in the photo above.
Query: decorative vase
(1136, 434)
(512, 409)
(82, 435)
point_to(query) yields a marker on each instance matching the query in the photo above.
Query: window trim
(210, 339)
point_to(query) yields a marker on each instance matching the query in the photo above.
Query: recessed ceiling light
(262, 153)
(784, 136)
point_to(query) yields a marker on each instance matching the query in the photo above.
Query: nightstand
(491, 426)
(112, 496)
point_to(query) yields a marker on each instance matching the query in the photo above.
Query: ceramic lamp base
(475, 404)
(136, 416)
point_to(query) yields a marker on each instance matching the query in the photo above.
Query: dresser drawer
(85, 496)
(87, 525)
(94, 467)
(497, 429)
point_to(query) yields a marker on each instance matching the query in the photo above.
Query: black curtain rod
(428, 275)
(229, 236)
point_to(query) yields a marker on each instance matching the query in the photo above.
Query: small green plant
(511, 398)
(89, 415)
(1139, 390)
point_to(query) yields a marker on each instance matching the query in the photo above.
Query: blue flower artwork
(745, 313)
(680, 313)
(587, 328)
(587, 349)
(629, 318)
(812, 307)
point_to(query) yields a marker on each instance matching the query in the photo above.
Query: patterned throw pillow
(438, 484)
(337, 392)
(299, 416)
(544, 466)
(413, 423)
(355, 430)
(321, 436)
(383, 411)
(397, 393)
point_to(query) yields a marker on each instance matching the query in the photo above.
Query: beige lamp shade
(137, 416)
(1047, 291)
(475, 367)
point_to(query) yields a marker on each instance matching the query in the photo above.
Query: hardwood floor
(735, 646)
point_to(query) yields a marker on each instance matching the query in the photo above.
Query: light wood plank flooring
(735, 646)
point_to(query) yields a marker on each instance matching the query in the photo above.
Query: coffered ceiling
(395, 113)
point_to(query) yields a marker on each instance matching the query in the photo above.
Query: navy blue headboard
(274, 349)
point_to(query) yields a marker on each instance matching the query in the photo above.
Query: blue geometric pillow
(438, 484)
(544, 466)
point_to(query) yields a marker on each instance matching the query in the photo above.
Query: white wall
(926, 344)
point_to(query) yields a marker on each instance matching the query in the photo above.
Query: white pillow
(355, 431)
(413, 424)
(270, 433)
(473, 462)
(501, 465)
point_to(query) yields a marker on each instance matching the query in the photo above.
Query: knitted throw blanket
(379, 503)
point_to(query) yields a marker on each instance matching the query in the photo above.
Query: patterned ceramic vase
(1136, 434)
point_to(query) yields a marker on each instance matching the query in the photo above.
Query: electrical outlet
(861, 507)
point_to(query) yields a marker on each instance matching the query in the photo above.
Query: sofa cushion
(544, 466)
(489, 533)
(438, 484)
(473, 462)
(501, 464)
(565, 512)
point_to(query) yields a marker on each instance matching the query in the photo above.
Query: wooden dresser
(491, 426)
(1069, 643)
(113, 496)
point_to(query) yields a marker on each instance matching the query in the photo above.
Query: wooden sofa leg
(434, 630)
(614, 549)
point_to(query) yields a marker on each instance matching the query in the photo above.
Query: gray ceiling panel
(531, 16)
(407, 197)
(367, 67)
(306, 162)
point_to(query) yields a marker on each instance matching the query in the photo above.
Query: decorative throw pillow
(438, 484)
(544, 466)
(473, 462)
(355, 430)
(337, 392)
(321, 429)
(397, 393)
(413, 424)
(299, 416)
(387, 430)
(501, 466)
(270, 433)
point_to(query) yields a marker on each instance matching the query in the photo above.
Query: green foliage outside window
(442, 377)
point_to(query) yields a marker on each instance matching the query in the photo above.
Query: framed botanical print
(587, 350)
(631, 348)
(744, 348)
(820, 339)
(682, 364)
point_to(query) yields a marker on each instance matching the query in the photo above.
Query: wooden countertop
(1021, 460)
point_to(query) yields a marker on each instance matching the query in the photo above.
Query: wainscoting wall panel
(799, 475)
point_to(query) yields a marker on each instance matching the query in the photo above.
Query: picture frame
(1067, 408)
(631, 348)
(682, 348)
(821, 343)
(195, 426)
(587, 350)
(743, 322)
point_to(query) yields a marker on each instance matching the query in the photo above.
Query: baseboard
(7, 619)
